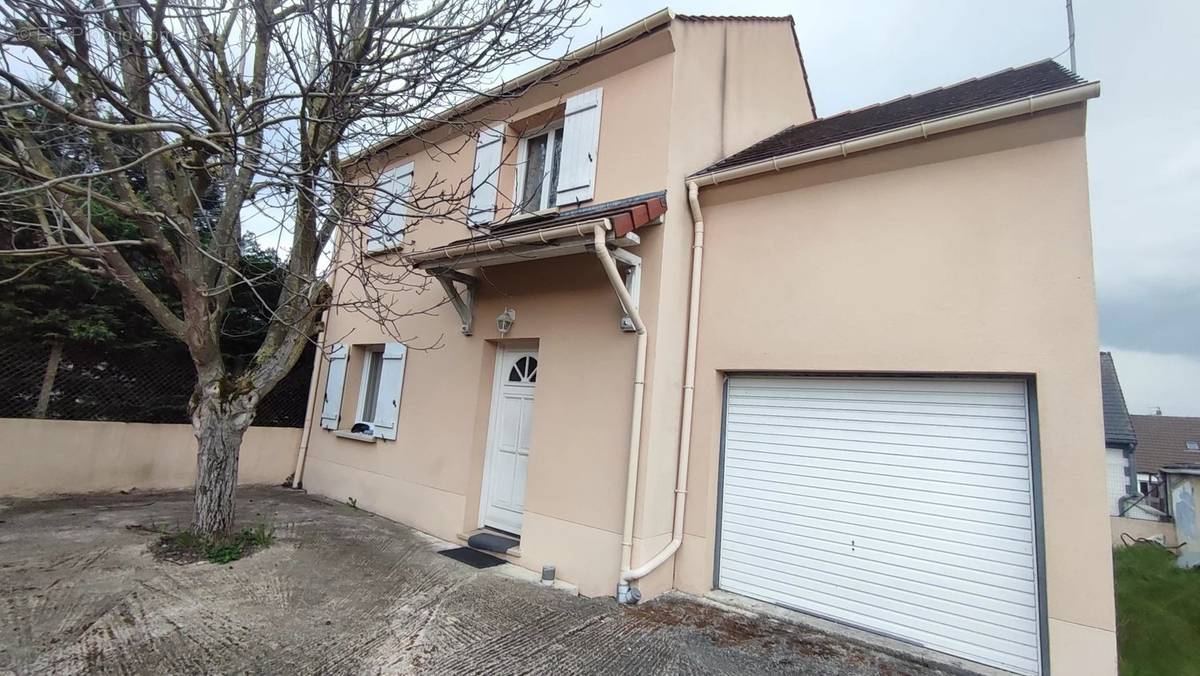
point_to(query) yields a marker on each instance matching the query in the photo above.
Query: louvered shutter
(395, 187)
(332, 408)
(581, 138)
(391, 383)
(487, 169)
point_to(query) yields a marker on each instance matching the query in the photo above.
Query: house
(1120, 440)
(1164, 440)
(695, 338)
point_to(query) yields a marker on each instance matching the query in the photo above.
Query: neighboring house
(1164, 440)
(854, 374)
(1120, 440)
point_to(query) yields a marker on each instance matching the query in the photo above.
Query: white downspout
(302, 451)
(306, 433)
(685, 423)
(639, 384)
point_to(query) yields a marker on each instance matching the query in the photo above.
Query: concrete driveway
(343, 592)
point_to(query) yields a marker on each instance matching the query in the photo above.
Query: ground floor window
(368, 398)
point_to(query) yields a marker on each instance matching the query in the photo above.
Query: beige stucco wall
(430, 476)
(46, 457)
(968, 253)
(664, 105)
(734, 83)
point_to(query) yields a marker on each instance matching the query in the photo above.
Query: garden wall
(1142, 528)
(46, 457)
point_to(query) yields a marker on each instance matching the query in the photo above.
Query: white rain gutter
(446, 254)
(628, 573)
(600, 235)
(912, 132)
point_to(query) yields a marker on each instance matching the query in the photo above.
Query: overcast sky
(1143, 135)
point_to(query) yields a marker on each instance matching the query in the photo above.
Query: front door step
(492, 542)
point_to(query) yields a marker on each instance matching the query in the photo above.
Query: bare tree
(208, 119)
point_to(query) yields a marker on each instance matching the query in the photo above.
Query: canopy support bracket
(463, 300)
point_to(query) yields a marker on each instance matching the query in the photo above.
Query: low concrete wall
(1142, 528)
(45, 457)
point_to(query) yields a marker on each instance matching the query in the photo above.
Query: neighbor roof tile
(1162, 440)
(1118, 428)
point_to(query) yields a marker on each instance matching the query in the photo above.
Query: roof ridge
(1002, 86)
(931, 90)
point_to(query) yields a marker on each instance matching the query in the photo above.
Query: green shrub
(186, 546)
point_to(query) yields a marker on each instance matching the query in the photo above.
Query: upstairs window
(540, 159)
(1193, 445)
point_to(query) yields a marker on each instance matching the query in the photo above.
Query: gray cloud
(1163, 318)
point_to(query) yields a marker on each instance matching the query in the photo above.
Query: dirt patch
(725, 628)
(183, 547)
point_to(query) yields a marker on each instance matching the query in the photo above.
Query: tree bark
(219, 422)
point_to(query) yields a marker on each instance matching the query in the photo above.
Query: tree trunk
(219, 424)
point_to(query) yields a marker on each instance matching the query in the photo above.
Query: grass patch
(1158, 613)
(187, 547)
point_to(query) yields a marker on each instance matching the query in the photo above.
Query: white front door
(508, 440)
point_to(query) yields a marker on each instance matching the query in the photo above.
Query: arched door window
(523, 371)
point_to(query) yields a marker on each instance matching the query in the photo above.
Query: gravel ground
(343, 592)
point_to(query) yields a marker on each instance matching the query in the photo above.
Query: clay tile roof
(626, 214)
(1118, 428)
(1004, 86)
(711, 17)
(1162, 440)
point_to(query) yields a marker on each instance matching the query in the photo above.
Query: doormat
(471, 557)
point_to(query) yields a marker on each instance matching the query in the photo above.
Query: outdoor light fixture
(504, 321)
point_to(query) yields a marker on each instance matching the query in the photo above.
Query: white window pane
(555, 164)
(535, 168)
(371, 392)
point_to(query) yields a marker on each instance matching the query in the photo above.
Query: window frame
(548, 130)
(370, 353)
(377, 239)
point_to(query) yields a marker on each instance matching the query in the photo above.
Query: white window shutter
(395, 186)
(332, 409)
(391, 383)
(488, 150)
(581, 139)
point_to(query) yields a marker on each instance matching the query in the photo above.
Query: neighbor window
(1193, 445)
(1147, 482)
(372, 373)
(540, 158)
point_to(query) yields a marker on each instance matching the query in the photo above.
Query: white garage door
(902, 506)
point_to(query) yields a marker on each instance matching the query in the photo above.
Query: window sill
(354, 436)
(376, 253)
(519, 216)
